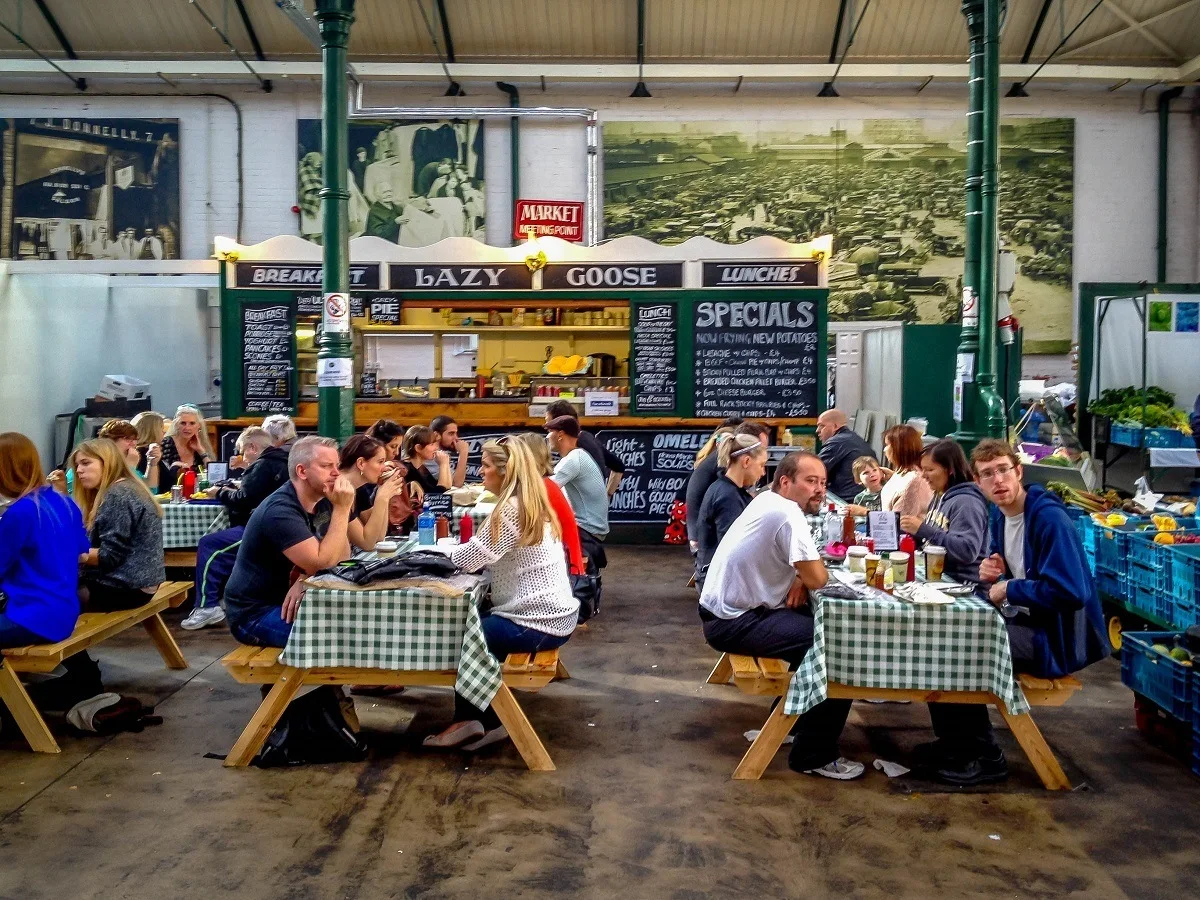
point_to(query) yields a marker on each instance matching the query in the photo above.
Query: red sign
(549, 218)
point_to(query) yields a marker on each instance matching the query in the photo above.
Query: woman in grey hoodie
(958, 516)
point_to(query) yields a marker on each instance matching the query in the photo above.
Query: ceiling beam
(250, 32)
(1141, 29)
(1166, 13)
(1037, 30)
(1190, 70)
(230, 69)
(837, 31)
(56, 28)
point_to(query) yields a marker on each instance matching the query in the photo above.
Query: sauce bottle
(466, 528)
(187, 482)
(442, 527)
(848, 528)
(909, 546)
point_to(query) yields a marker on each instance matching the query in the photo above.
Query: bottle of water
(833, 525)
(426, 527)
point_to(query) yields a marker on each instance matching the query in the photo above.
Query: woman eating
(741, 462)
(41, 538)
(906, 492)
(124, 567)
(362, 460)
(186, 447)
(558, 500)
(958, 516)
(872, 477)
(532, 606)
(124, 435)
(420, 446)
(151, 428)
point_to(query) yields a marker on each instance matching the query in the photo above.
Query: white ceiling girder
(1140, 28)
(1189, 71)
(1143, 24)
(582, 72)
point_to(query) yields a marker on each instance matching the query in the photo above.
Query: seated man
(265, 453)
(579, 477)
(704, 475)
(445, 429)
(840, 447)
(1038, 576)
(261, 599)
(611, 467)
(755, 599)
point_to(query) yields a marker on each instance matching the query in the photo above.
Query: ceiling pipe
(514, 149)
(80, 83)
(641, 90)
(827, 89)
(1164, 134)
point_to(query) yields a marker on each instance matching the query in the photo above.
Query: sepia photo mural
(92, 188)
(889, 190)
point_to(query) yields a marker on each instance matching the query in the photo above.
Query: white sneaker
(202, 617)
(841, 769)
(753, 733)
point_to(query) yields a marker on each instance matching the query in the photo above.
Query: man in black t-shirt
(260, 599)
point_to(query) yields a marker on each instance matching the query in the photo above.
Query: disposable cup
(899, 561)
(871, 563)
(935, 562)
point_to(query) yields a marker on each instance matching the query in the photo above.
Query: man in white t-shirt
(755, 599)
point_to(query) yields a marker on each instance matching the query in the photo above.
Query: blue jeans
(263, 629)
(215, 555)
(14, 635)
(503, 637)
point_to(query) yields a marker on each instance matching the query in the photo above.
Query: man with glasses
(1037, 576)
(755, 600)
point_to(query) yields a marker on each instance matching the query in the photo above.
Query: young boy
(869, 474)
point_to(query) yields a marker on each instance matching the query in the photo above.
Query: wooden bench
(90, 629)
(770, 677)
(261, 665)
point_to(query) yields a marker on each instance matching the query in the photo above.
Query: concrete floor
(642, 805)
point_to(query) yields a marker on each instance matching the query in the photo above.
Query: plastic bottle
(188, 483)
(909, 546)
(466, 528)
(889, 579)
(848, 528)
(833, 525)
(426, 527)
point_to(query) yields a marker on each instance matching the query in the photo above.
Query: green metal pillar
(335, 354)
(981, 413)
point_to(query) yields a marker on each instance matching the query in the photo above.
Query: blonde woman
(742, 461)
(151, 429)
(520, 543)
(125, 565)
(706, 472)
(186, 447)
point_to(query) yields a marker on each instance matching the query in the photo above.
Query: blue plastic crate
(1137, 436)
(1144, 599)
(1183, 614)
(1154, 675)
(1112, 546)
(1087, 533)
(1125, 435)
(1111, 584)
(1143, 551)
(1145, 577)
(1185, 574)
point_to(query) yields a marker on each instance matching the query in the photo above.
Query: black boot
(986, 769)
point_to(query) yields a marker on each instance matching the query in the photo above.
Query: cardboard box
(123, 387)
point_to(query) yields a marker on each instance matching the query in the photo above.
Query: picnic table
(183, 526)
(389, 636)
(478, 513)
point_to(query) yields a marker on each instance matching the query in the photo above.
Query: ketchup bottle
(188, 483)
(466, 528)
(909, 546)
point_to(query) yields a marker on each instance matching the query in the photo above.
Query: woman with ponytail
(742, 462)
(520, 543)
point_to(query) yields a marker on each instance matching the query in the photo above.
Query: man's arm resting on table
(313, 555)
(810, 575)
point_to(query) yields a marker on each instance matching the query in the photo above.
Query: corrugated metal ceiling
(605, 30)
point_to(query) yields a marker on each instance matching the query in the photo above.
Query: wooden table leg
(1041, 757)
(766, 745)
(560, 672)
(165, 642)
(29, 720)
(528, 744)
(721, 672)
(266, 717)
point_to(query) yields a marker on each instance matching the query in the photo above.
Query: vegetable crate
(1136, 436)
(1112, 546)
(1150, 564)
(1156, 676)
(1112, 584)
(1185, 583)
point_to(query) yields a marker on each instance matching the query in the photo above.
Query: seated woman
(390, 435)
(124, 567)
(362, 460)
(420, 446)
(151, 429)
(41, 537)
(576, 564)
(906, 492)
(186, 447)
(958, 516)
(741, 462)
(532, 606)
(872, 477)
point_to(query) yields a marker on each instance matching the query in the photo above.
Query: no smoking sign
(337, 312)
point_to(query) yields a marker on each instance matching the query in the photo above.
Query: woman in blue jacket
(41, 539)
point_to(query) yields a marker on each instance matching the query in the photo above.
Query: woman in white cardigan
(532, 605)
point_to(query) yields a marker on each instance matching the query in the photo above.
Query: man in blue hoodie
(1037, 575)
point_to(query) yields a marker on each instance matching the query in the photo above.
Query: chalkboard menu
(268, 333)
(756, 358)
(657, 465)
(655, 358)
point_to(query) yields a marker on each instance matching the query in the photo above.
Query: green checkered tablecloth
(886, 643)
(185, 523)
(478, 514)
(406, 629)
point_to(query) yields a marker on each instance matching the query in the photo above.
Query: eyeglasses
(998, 472)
